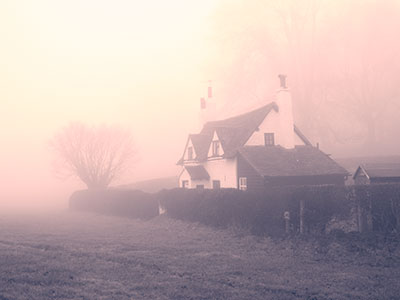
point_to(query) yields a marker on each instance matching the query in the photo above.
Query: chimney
(208, 107)
(202, 103)
(282, 79)
(285, 134)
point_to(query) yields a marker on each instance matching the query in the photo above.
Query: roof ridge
(267, 106)
(197, 134)
(301, 135)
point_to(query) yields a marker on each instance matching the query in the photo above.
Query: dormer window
(269, 139)
(190, 153)
(215, 148)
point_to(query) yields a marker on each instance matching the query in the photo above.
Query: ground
(87, 256)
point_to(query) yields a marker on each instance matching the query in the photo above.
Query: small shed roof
(197, 172)
(382, 170)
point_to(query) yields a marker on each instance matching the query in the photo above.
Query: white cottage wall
(205, 183)
(280, 123)
(224, 170)
(185, 176)
(286, 123)
(210, 149)
(270, 124)
(186, 156)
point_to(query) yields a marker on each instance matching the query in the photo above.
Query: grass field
(85, 256)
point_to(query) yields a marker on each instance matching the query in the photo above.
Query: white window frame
(243, 183)
(215, 148)
(190, 153)
(185, 184)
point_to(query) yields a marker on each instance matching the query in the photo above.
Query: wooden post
(286, 215)
(369, 216)
(364, 211)
(302, 205)
(359, 217)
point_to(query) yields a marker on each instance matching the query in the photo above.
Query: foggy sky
(341, 57)
(145, 64)
(134, 63)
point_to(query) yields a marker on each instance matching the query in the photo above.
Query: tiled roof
(201, 143)
(384, 170)
(300, 161)
(232, 132)
(197, 172)
(248, 120)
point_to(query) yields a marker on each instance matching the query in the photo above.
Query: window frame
(243, 183)
(190, 153)
(215, 148)
(269, 139)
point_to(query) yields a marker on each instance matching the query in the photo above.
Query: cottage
(377, 173)
(255, 150)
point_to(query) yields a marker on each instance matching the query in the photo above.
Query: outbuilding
(377, 173)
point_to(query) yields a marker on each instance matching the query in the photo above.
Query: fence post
(302, 205)
(364, 212)
(286, 216)
(360, 216)
(369, 216)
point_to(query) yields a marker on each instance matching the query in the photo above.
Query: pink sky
(134, 63)
(144, 65)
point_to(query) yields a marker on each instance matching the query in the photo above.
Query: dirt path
(84, 256)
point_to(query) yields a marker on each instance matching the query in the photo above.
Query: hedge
(261, 213)
(369, 207)
(380, 206)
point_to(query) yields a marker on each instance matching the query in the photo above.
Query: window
(269, 139)
(215, 148)
(190, 153)
(216, 184)
(200, 186)
(242, 183)
(185, 184)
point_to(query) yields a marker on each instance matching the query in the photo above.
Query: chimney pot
(202, 103)
(282, 79)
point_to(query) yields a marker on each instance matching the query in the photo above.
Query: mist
(144, 66)
(116, 183)
(342, 60)
(126, 63)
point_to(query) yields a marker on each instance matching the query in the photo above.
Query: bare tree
(97, 155)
